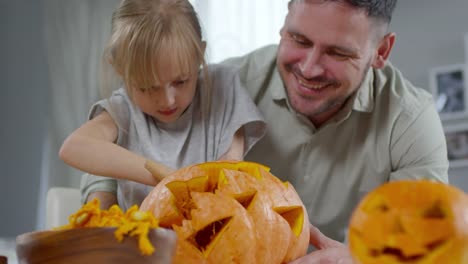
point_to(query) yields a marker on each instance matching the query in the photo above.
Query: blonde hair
(147, 31)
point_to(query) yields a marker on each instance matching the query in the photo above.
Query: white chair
(60, 204)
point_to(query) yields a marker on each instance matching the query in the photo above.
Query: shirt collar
(278, 91)
(364, 100)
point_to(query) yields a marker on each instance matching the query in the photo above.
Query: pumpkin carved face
(417, 222)
(231, 212)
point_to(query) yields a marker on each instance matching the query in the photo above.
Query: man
(341, 119)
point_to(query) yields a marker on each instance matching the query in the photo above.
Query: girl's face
(169, 98)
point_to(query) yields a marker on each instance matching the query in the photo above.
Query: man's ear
(383, 50)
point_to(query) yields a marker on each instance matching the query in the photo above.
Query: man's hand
(328, 251)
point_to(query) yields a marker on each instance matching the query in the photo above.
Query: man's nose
(311, 65)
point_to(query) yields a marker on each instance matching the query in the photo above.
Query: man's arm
(419, 150)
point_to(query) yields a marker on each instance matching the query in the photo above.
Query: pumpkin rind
(411, 221)
(254, 217)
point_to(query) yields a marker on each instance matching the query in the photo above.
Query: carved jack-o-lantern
(417, 222)
(230, 212)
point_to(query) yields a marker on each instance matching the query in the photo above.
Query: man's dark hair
(378, 9)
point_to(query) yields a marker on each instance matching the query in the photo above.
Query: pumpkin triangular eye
(245, 198)
(294, 215)
(382, 208)
(376, 203)
(435, 211)
(205, 239)
(398, 227)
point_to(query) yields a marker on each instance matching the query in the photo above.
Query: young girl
(173, 108)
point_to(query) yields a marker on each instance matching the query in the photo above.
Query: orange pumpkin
(412, 221)
(231, 212)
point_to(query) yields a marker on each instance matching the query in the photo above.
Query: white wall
(235, 27)
(23, 106)
(430, 34)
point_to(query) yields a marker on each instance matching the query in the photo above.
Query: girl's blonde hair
(146, 32)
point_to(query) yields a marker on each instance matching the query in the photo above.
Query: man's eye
(339, 56)
(299, 40)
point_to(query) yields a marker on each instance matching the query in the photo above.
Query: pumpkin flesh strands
(133, 222)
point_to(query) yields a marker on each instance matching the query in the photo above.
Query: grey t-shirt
(199, 135)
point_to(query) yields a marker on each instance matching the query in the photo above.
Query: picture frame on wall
(456, 137)
(466, 48)
(449, 88)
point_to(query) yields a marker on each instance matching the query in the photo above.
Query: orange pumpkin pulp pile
(412, 222)
(133, 222)
(230, 212)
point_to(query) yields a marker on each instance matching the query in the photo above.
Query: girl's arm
(106, 199)
(236, 150)
(91, 148)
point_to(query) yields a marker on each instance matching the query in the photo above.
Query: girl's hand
(158, 170)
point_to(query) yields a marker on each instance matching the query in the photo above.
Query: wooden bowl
(91, 245)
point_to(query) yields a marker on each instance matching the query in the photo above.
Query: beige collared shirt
(389, 130)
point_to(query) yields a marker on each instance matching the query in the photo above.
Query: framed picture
(457, 145)
(449, 89)
(466, 48)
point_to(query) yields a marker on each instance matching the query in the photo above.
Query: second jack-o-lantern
(412, 221)
(231, 212)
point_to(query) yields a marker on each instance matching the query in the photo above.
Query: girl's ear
(383, 50)
(108, 59)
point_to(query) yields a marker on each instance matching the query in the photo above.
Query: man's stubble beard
(331, 104)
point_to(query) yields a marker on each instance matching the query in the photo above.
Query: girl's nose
(169, 95)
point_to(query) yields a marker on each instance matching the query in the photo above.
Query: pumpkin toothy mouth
(204, 237)
(400, 256)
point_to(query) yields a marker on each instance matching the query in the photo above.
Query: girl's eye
(180, 82)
